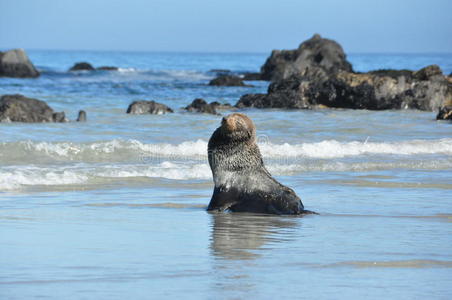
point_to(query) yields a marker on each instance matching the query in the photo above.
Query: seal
(81, 116)
(242, 183)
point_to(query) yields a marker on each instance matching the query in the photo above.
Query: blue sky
(227, 25)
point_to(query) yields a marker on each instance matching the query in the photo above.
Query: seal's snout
(228, 123)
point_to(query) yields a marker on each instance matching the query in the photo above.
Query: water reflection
(237, 236)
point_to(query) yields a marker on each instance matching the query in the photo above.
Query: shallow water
(115, 207)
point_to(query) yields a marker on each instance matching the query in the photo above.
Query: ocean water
(115, 207)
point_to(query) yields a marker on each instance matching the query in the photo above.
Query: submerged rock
(18, 108)
(82, 66)
(81, 116)
(316, 52)
(148, 107)
(227, 80)
(15, 63)
(201, 106)
(107, 68)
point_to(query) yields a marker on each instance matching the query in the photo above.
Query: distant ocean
(115, 207)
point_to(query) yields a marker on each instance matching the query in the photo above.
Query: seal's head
(238, 126)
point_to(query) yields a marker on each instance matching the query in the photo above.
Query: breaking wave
(28, 163)
(119, 150)
(18, 177)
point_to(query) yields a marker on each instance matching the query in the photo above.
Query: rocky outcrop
(82, 66)
(316, 52)
(15, 63)
(227, 80)
(201, 106)
(148, 107)
(426, 89)
(18, 108)
(317, 74)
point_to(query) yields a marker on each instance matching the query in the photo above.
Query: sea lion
(242, 183)
(81, 116)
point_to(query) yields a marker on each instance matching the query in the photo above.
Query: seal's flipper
(223, 198)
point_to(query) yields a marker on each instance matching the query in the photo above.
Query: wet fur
(242, 183)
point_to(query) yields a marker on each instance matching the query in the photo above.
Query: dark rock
(201, 106)
(148, 107)
(82, 66)
(252, 76)
(107, 68)
(81, 116)
(315, 52)
(253, 100)
(356, 90)
(227, 80)
(392, 73)
(428, 73)
(18, 108)
(59, 117)
(15, 63)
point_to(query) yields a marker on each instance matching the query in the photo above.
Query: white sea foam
(126, 70)
(19, 177)
(166, 169)
(335, 149)
(132, 74)
(133, 150)
(12, 179)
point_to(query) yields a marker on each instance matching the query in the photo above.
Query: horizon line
(216, 52)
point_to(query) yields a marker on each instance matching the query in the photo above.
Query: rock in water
(242, 183)
(18, 108)
(15, 63)
(59, 117)
(148, 107)
(426, 89)
(82, 66)
(201, 106)
(227, 80)
(81, 116)
(316, 52)
(252, 76)
(107, 68)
